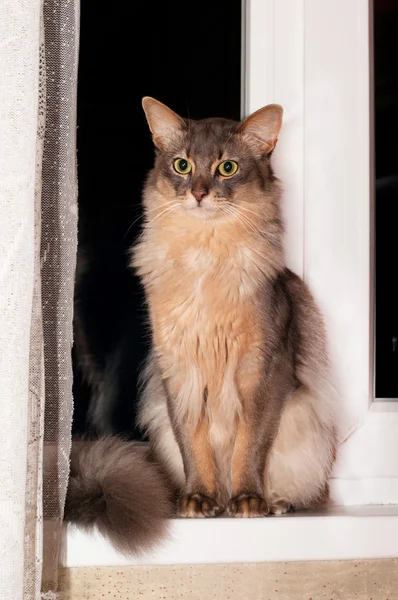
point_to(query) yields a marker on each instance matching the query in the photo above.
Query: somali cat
(236, 398)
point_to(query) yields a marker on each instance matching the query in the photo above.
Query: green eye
(182, 166)
(228, 168)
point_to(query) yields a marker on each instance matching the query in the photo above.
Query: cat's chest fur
(200, 294)
(204, 301)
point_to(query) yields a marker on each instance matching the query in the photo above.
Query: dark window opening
(189, 57)
(386, 167)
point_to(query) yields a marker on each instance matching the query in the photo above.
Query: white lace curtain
(38, 231)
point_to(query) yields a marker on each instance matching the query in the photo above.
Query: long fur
(116, 489)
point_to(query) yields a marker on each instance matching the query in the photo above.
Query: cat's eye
(228, 168)
(182, 166)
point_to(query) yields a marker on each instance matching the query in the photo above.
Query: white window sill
(355, 532)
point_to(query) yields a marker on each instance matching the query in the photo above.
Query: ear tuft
(261, 129)
(164, 123)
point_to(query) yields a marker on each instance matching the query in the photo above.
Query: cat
(237, 399)
(236, 394)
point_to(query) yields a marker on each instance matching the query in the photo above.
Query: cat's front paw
(247, 506)
(194, 506)
(280, 507)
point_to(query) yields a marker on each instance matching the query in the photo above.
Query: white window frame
(312, 56)
(315, 58)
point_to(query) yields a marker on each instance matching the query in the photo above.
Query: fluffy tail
(114, 488)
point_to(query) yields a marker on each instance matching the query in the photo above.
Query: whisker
(142, 215)
(255, 225)
(130, 226)
(237, 211)
(251, 211)
(255, 213)
(236, 215)
(151, 210)
(150, 223)
(240, 209)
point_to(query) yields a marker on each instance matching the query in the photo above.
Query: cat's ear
(164, 123)
(261, 129)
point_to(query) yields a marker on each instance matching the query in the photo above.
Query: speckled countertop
(333, 580)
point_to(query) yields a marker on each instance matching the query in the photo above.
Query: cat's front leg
(247, 471)
(199, 496)
(262, 405)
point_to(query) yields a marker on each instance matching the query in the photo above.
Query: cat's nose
(199, 194)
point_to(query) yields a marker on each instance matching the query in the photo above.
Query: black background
(186, 55)
(386, 140)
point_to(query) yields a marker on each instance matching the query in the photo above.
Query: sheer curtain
(38, 231)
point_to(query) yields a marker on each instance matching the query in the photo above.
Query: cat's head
(213, 168)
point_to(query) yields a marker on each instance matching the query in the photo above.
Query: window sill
(340, 533)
